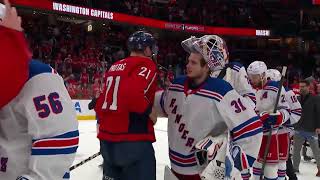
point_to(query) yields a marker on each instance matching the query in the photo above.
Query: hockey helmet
(140, 40)
(273, 75)
(213, 49)
(257, 68)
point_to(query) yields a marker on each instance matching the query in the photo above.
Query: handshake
(271, 119)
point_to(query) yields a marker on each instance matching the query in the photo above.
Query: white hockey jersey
(38, 129)
(295, 110)
(236, 75)
(210, 109)
(266, 100)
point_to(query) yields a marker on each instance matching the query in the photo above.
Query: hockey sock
(282, 167)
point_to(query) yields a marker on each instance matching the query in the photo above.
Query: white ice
(89, 145)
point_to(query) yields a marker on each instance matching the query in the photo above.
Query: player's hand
(318, 131)
(153, 115)
(11, 19)
(271, 119)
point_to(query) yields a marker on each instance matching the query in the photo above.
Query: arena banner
(136, 20)
(83, 113)
(316, 2)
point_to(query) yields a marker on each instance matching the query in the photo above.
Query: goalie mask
(212, 48)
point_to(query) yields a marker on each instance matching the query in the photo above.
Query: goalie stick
(85, 161)
(283, 74)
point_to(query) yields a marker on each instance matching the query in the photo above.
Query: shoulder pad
(37, 67)
(180, 80)
(219, 86)
(235, 66)
(273, 83)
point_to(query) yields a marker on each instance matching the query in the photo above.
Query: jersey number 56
(41, 104)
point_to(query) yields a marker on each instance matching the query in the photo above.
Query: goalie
(199, 107)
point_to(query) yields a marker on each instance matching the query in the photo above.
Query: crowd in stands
(82, 57)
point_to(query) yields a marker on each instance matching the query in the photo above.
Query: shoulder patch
(37, 67)
(219, 86)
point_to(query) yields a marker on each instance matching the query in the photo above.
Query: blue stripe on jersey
(181, 155)
(212, 84)
(211, 97)
(273, 84)
(37, 67)
(70, 134)
(249, 134)
(256, 118)
(219, 86)
(182, 165)
(45, 152)
(66, 175)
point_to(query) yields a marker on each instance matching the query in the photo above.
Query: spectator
(84, 77)
(308, 126)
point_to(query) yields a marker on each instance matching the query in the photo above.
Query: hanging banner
(136, 20)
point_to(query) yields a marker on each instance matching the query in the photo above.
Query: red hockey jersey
(14, 64)
(124, 106)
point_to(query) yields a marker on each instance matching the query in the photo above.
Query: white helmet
(273, 74)
(257, 67)
(2, 10)
(212, 47)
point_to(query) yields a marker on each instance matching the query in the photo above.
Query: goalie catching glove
(210, 155)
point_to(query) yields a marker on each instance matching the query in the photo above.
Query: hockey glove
(271, 119)
(209, 149)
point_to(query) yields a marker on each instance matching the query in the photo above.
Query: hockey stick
(85, 161)
(283, 73)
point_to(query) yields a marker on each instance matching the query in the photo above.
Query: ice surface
(89, 145)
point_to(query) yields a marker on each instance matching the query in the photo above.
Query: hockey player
(233, 72)
(266, 99)
(39, 129)
(283, 133)
(14, 52)
(197, 106)
(124, 110)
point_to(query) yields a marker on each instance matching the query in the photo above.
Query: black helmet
(140, 40)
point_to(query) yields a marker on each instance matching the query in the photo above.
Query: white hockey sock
(245, 174)
(256, 170)
(282, 167)
(270, 171)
